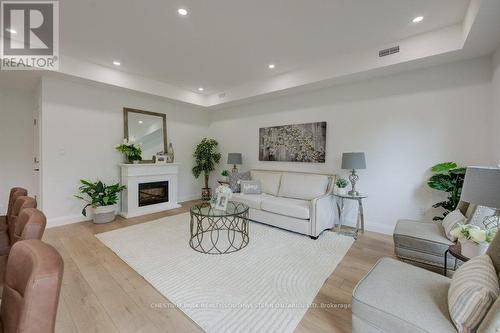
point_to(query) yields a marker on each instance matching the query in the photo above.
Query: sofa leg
(314, 237)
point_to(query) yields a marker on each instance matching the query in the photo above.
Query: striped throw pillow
(473, 289)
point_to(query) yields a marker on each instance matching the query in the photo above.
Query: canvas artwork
(293, 143)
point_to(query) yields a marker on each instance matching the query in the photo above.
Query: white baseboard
(375, 227)
(64, 220)
(70, 219)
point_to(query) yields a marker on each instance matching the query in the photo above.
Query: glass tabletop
(233, 208)
(348, 196)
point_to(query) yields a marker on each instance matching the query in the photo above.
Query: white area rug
(265, 287)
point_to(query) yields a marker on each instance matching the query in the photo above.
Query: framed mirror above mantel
(148, 129)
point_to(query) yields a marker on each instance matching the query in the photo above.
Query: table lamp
(482, 187)
(353, 162)
(234, 158)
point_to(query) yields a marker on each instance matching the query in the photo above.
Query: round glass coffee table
(219, 232)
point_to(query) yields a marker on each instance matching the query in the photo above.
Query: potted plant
(341, 184)
(224, 174)
(206, 158)
(449, 178)
(131, 151)
(102, 198)
(473, 240)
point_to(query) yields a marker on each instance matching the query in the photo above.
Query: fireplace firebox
(153, 193)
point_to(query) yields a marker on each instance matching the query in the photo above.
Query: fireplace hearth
(152, 193)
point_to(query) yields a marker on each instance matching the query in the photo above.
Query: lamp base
(235, 169)
(353, 178)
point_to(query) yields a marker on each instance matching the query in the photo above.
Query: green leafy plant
(224, 173)
(206, 158)
(132, 151)
(98, 194)
(341, 182)
(448, 177)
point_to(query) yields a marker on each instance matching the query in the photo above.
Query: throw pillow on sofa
(250, 187)
(473, 290)
(450, 221)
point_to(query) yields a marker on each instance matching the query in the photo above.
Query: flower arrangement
(224, 190)
(224, 173)
(131, 150)
(473, 233)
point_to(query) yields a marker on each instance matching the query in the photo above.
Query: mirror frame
(164, 123)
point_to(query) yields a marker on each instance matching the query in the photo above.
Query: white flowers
(473, 233)
(224, 190)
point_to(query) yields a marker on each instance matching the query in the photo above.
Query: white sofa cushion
(303, 186)
(285, 206)
(269, 180)
(251, 200)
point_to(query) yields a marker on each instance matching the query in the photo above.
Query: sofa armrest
(322, 214)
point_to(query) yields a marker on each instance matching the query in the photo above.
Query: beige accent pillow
(473, 289)
(450, 221)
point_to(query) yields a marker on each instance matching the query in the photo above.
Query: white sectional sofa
(300, 202)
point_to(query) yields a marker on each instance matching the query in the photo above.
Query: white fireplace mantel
(134, 174)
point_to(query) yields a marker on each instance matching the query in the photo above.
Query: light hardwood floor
(101, 293)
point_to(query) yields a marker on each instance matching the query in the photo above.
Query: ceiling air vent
(389, 51)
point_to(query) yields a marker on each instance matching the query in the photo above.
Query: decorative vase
(104, 214)
(342, 191)
(170, 153)
(471, 249)
(135, 162)
(205, 194)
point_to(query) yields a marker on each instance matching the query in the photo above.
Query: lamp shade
(482, 186)
(353, 161)
(234, 158)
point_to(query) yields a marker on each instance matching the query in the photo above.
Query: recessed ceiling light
(12, 31)
(182, 11)
(272, 66)
(418, 19)
(201, 89)
(116, 63)
(140, 121)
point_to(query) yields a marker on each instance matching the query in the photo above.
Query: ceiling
(221, 44)
(225, 46)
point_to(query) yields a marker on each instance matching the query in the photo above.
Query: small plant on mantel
(101, 198)
(206, 158)
(131, 151)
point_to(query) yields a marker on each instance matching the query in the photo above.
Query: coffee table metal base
(219, 234)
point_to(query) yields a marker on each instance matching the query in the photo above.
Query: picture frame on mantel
(134, 120)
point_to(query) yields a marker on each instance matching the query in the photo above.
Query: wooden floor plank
(101, 293)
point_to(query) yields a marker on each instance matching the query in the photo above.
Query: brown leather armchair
(24, 222)
(32, 287)
(15, 193)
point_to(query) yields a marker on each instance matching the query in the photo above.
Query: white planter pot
(342, 191)
(471, 249)
(104, 214)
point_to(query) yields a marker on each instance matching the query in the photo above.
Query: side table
(456, 251)
(360, 223)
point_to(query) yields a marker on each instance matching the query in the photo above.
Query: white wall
(81, 125)
(16, 142)
(496, 97)
(405, 124)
